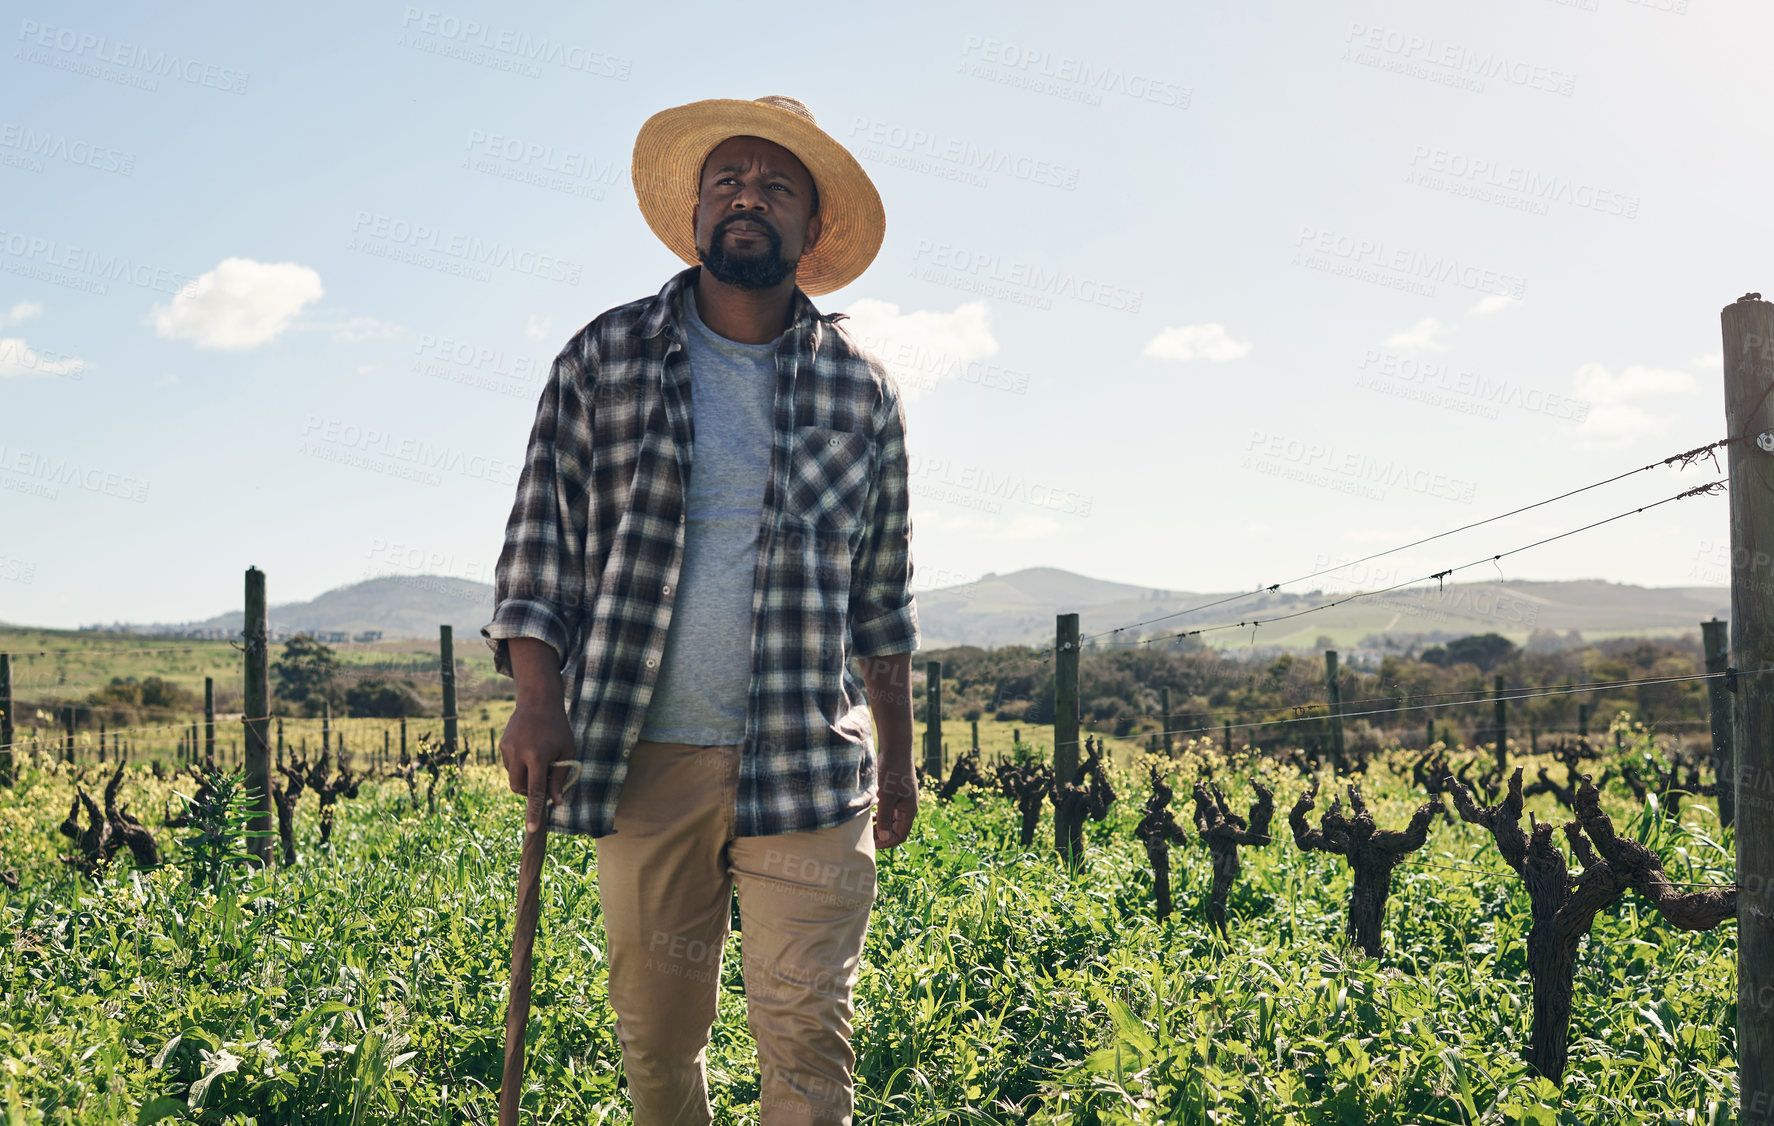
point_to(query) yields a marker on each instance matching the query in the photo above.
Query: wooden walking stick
(523, 938)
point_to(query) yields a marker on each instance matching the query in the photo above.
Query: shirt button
(834, 443)
(680, 517)
(664, 590)
(651, 662)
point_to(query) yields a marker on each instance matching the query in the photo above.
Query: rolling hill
(1019, 607)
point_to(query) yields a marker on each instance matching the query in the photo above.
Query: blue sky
(1198, 296)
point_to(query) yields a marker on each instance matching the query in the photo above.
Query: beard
(764, 270)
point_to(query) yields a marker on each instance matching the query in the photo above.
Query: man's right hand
(538, 735)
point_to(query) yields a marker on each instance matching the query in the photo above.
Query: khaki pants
(666, 878)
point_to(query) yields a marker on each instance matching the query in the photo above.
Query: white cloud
(1618, 414)
(18, 359)
(238, 305)
(922, 348)
(1712, 361)
(1196, 342)
(537, 327)
(1427, 335)
(23, 311)
(1493, 303)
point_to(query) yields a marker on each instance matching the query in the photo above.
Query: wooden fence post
(447, 654)
(1501, 722)
(933, 755)
(326, 728)
(101, 742)
(1228, 734)
(1065, 698)
(975, 723)
(209, 717)
(1715, 636)
(68, 744)
(257, 704)
(6, 728)
(1582, 721)
(1164, 723)
(1335, 692)
(1429, 730)
(1748, 328)
(403, 738)
(280, 742)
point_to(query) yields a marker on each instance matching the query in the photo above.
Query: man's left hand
(896, 805)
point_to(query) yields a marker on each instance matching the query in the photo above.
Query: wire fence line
(55, 737)
(1477, 695)
(1518, 694)
(1439, 577)
(1684, 458)
(214, 644)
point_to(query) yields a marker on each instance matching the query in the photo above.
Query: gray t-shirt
(704, 679)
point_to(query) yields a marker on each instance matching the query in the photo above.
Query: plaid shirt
(596, 538)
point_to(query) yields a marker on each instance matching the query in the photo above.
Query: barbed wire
(216, 644)
(1439, 576)
(56, 736)
(212, 645)
(1484, 696)
(1686, 458)
(1520, 694)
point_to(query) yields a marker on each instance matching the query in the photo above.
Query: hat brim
(667, 168)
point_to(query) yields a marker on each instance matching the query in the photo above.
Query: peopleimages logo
(38, 474)
(414, 459)
(92, 268)
(476, 42)
(540, 165)
(976, 486)
(1450, 171)
(1372, 45)
(999, 276)
(922, 145)
(1367, 255)
(467, 253)
(1066, 76)
(93, 55)
(1435, 378)
(1355, 466)
(31, 144)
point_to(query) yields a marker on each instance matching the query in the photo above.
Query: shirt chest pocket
(828, 477)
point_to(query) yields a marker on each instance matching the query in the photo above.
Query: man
(711, 520)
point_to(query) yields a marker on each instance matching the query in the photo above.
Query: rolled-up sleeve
(538, 581)
(883, 612)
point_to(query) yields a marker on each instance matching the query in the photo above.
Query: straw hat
(672, 145)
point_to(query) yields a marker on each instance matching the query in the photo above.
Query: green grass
(365, 985)
(55, 667)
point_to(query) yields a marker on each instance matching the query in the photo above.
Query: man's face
(754, 214)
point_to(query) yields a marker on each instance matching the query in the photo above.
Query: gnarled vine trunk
(1372, 853)
(1564, 907)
